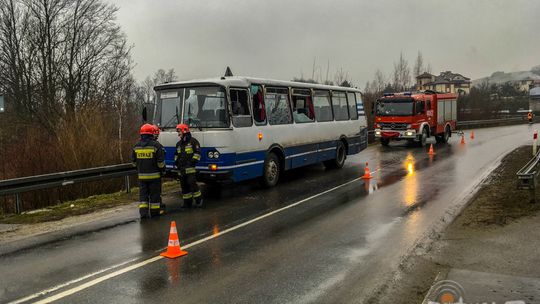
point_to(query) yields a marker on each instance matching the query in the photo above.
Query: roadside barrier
(17, 186)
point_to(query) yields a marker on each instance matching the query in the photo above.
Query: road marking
(55, 288)
(156, 258)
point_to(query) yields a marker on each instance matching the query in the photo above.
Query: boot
(198, 203)
(155, 209)
(162, 209)
(186, 203)
(144, 210)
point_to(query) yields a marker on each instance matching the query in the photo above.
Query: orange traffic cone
(173, 249)
(462, 139)
(431, 152)
(472, 134)
(367, 174)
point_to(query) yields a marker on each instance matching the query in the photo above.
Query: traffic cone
(472, 134)
(462, 139)
(367, 174)
(431, 152)
(173, 249)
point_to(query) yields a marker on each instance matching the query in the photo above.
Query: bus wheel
(385, 141)
(271, 170)
(339, 161)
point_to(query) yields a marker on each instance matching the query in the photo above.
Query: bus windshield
(394, 107)
(168, 108)
(202, 107)
(205, 107)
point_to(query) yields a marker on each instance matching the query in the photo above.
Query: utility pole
(2, 149)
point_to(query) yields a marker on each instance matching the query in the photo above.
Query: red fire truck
(415, 116)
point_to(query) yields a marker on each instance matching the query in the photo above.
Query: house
(446, 82)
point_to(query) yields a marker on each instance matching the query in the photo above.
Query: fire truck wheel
(446, 134)
(444, 137)
(385, 141)
(423, 138)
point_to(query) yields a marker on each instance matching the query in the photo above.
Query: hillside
(502, 77)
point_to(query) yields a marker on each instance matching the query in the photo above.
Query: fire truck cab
(415, 116)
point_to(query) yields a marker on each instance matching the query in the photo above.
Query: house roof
(449, 78)
(424, 75)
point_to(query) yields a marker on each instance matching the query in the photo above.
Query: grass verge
(81, 206)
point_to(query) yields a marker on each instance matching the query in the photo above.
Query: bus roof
(240, 81)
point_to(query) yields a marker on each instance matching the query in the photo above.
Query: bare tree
(342, 78)
(418, 65)
(56, 55)
(402, 74)
(159, 77)
(379, 81)
(428, 68)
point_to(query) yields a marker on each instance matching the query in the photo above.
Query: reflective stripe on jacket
(149, 158)
(187, 155)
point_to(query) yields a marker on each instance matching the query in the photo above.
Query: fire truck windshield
(395, 107)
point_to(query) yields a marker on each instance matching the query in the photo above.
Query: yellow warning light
(213, 167)
(260, 135)
(410, 169)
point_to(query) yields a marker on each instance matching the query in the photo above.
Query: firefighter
(188, 153)
(149, 158)
(156, 132)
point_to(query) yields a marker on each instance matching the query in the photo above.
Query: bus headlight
(213, 154)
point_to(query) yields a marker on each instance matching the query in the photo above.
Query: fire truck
(415, 116)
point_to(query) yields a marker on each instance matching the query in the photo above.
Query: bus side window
(302, 106)
(351, 101)
(323, 109)
(339, 104)
(259, 113)
(276, 101)
(240, 108)
(359, 106)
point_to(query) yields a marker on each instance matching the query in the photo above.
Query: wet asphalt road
(339, 246)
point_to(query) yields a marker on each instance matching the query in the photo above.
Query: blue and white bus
(257, 128)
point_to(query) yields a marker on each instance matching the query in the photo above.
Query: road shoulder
(497, 235)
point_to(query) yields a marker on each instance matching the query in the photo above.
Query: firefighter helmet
(182, 128)
(156, 130)
(147, 129)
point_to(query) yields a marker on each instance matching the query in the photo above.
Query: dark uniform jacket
(149, 158)
(187, 155)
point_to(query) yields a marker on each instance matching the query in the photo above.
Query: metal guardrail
(17, 186)
(526, 177)
(486, 122)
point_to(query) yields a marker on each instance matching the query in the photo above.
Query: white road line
(156, 258)
(55, 288)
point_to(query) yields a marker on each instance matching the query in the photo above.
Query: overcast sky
(280, 38)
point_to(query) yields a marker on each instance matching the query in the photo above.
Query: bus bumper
(221, 176)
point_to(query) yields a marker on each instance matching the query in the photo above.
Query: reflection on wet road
(337, 246)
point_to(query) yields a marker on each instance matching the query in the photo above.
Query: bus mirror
(148, 112)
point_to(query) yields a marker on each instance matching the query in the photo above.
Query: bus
(258, 128)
